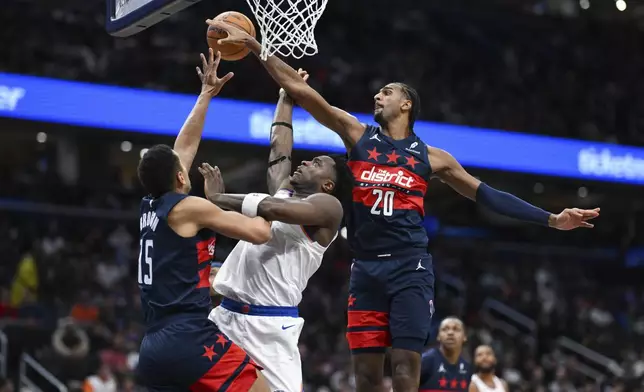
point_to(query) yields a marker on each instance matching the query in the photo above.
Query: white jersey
(272, 274)
(483, 387)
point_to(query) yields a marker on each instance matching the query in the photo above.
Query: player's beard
(378, 117)
(486, 369)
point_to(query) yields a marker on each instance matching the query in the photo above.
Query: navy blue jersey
(391, 177)
(173, 271)
(437, 374)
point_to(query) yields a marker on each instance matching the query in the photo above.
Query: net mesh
(287, 26)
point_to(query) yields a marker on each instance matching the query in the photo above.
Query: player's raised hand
(235, 34)
(210, 83)
(213, 182)
(303, 74)
(573, 218)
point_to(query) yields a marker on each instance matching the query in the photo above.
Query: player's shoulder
(327, 204)
(191, 208)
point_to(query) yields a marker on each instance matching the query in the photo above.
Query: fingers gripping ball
(230, 52)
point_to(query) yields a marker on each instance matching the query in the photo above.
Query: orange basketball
(230, 52)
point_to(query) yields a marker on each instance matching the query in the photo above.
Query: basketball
(230, 52)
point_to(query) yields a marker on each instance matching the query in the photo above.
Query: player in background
(392, 282)
(444, 369)
(262, 285)
(182, 350)
(485, 379)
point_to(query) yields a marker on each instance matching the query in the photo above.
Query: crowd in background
(572, 77)
(70, 299)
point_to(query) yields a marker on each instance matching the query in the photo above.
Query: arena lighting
(136, 110)
(126, 146)
(620, 4)
(582, 192)
(538, 188)
(584, 4)
(41, 137)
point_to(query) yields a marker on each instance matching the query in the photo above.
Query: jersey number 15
(145, 257)
(384, 204)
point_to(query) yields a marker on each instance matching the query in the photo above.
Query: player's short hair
(157, 170)
(455, 319)
(343, 180)
(413, 96)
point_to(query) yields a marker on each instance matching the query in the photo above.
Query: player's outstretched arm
(231, 224)
(319, 209)
(339, 121)
(187, 142)
(279, 159)
(453, 174)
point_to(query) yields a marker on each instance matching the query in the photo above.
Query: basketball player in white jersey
(262, 285)
(484, 380)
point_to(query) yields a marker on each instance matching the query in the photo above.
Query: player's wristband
(278, 160)
(282, 123)
(251, 202)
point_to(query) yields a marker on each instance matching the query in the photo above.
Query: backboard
(128, 17)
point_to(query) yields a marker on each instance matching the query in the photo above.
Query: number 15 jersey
(391, 178)
(173, 271)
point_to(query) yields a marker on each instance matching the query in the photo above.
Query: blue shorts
(193, 355)
(391, 303)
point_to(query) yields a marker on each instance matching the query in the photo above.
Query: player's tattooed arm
(453, 174)
(279, 159)
(344, 124)
(187, 142)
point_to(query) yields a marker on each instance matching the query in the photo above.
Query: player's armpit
(229, 223)
(452, 173)
(320, 210)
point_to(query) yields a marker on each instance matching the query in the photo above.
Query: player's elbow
(298, 90)
(261, 232)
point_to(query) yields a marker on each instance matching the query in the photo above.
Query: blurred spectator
(6, 385)
(103, 381)
(24, 289)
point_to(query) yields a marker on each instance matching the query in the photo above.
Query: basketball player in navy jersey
(392, 283)
(443, 368)
(485, 379)
(182, 350)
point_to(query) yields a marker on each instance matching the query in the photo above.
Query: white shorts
(271, 341)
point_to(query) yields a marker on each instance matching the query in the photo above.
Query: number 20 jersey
(391, 178)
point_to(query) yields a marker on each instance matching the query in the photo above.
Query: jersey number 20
(145, 257)
(384, 204)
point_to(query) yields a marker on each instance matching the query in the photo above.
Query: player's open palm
(573, 218)
(210, 83)
(213, 181)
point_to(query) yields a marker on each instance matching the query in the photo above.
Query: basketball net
(287, 26)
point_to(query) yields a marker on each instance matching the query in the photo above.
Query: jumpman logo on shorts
(420, 266)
